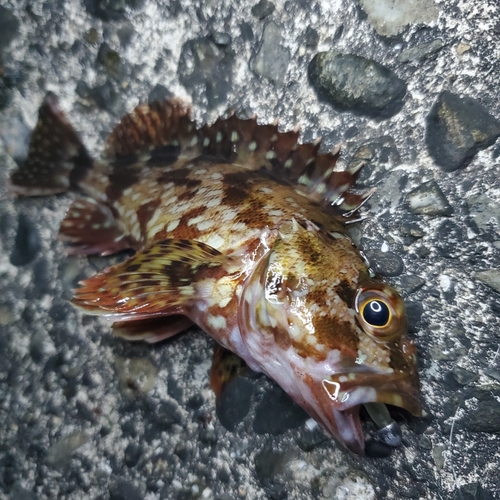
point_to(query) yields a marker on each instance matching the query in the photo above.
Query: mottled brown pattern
(144, 214)
(335, 334)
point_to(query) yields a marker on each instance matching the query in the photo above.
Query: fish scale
(240, 230)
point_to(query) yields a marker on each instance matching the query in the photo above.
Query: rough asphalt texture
(87, 416)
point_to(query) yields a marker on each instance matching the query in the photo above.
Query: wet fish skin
(242, 231)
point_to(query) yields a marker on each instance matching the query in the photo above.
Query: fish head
(330, 335)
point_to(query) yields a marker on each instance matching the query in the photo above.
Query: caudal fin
(56, 160)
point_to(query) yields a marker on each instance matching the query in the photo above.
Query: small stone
(272, 59)
(428, 199)
(310, 436)
(234, 403)
(136, 375)
(357, 84)
(377, 449)
(484, 211)
(457, 128)
(166, 414)
(59, 454)
(206, 70)
(414, 311)
(111, 10)
(263, 9)
(389, 17)
(490, 277)
(107, 98)
(133, 453)
(9, 27)
(276, 413)
(462, 48)
(411, 283)
(125, 34)
(159, 93)
(312, 38)
(464, 377)
(26, 244)
(385, 263)
(494, 374)
(483, 415)
(92, 36)
(421, 51)
(124, 490)
(110, 60)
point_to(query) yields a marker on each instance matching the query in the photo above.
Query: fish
(243, 231)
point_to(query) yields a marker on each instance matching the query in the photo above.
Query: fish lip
(399, 389)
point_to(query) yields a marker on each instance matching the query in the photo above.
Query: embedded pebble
(411, 283)
(272, 59)
(421, 51)
(354, 83)
(9, 27)
(276, 413)
(463, 376)
(389, 17)
(26, 244)
(263, 9)
(234, 403)
(136, 375)
(457, 128)
(385, 263)
(483, 415)
(428, 199)
(59, 454)
(490, 277)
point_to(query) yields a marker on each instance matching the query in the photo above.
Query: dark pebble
(312, 38)
(159, 93)
(19, 493)
(111, 10)
(5, 95)
(42, 277)
(385, 263)
(9, 27)
(490, 277)
(263, 9)
(411, 283)
(309, 438)
(195, 402)
(494, 374)
(206, 70)
(107, 98)
(457, 128)
(132, 455)
(474, 491)
(125, 34)
(428, 199)
(414, 311)
(124, 490)
(26, 244)
(234, 403)
(110, 60)
(464, 377)
(377, 449)
(357, 84)
(484, 414)
(421, 51)
(167, 414)
(276, 413)
(272, 59)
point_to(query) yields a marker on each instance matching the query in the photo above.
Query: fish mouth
(374, 392)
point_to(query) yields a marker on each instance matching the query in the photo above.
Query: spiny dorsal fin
(159, 280)
(165, 130)
(56, 157)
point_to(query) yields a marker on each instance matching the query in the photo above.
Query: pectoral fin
(160, 280)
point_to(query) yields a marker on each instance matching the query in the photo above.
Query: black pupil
(376, 313)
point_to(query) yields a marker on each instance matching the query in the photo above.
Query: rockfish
(240, 230)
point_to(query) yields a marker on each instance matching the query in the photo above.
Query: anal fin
(153, 329)
(160, 280)
(90, 228)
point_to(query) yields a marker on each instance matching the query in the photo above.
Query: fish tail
(57, 159)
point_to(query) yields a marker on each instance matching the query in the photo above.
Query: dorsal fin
(164, 129)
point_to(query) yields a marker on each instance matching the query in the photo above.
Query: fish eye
(376, 313)
(380, 311)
